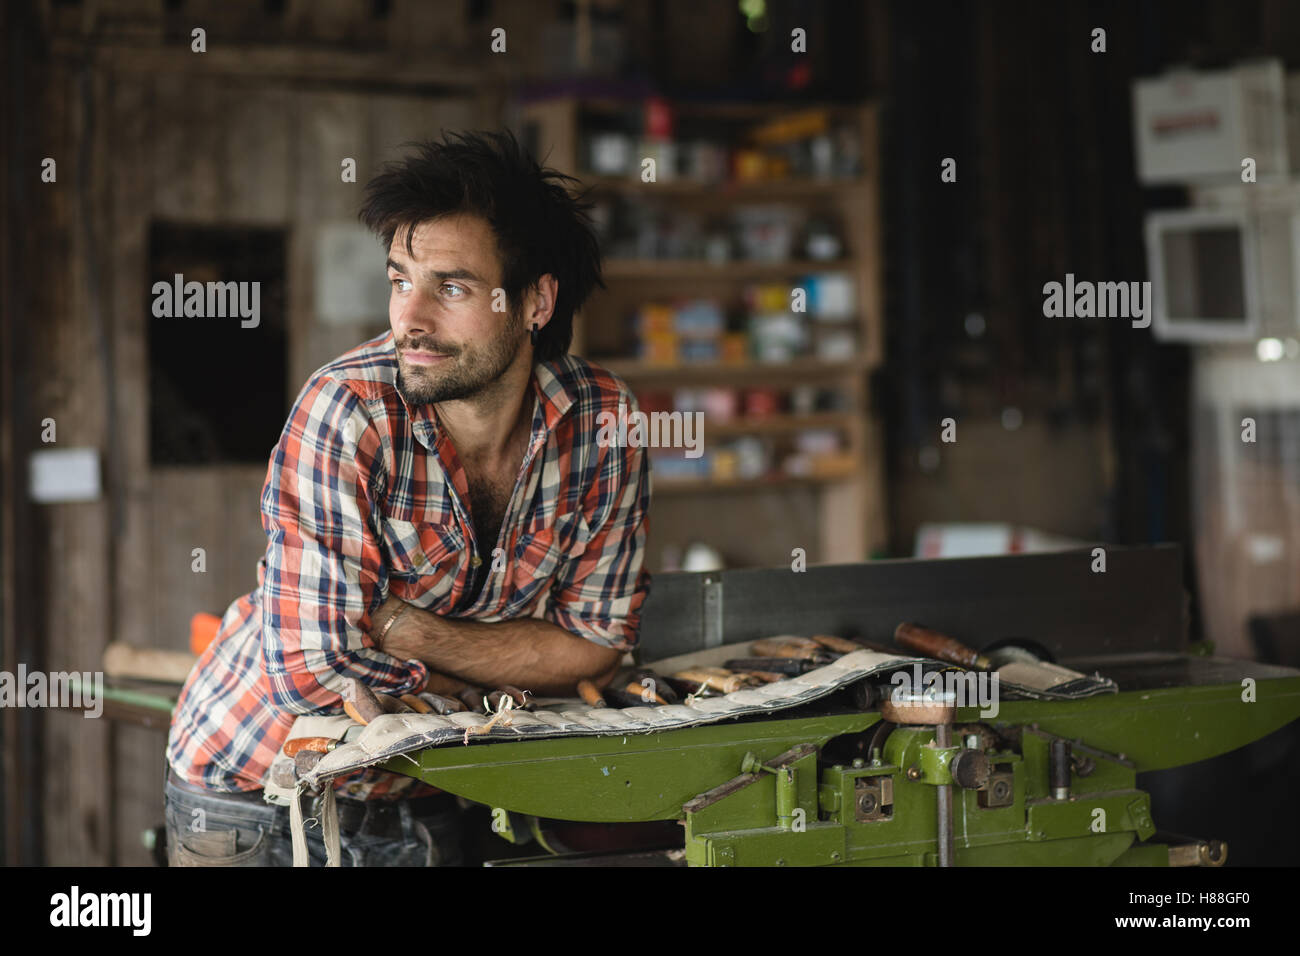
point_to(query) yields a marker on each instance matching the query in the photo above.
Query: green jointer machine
(867, 770)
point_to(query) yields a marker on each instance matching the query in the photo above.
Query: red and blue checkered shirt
(365, 496)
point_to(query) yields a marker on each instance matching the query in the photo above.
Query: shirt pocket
(540, 556)
(424, 556)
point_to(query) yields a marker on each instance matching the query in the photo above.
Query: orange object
(203, 631)
(417, 705)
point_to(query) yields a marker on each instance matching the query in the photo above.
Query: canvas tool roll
(388, 736)
(282, 768)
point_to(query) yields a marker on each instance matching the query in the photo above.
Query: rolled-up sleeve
(598, 594)
(324, 567)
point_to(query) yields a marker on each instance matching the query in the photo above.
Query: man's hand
(526, 652)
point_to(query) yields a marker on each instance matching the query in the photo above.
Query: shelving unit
(836, 513)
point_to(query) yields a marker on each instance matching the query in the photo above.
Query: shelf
(694, 486)
(781, 424)
(691, 189)
(715, 373)
(667, 269)
(846, 517)
(721, 109)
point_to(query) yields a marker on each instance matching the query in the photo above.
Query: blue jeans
(210, 828)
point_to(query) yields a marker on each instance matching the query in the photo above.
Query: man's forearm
(532, 654)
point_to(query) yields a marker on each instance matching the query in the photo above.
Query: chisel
(939, 646)
(591, 694)
(718, 678)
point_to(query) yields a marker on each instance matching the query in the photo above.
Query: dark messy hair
(540, 227)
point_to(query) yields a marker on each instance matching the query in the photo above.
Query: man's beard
(456, 378)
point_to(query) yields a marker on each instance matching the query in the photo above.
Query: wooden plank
(245, 541)
(27, 253)
(189, 180)
(256, 153)
(394, 120)
(139, 754)
(77, 573)
(445, 71)
(216, 508)
(134, 124)
(328, 128)
(187, 515)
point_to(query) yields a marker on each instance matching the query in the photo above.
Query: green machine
(852, 779)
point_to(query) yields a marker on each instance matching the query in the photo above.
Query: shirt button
(354, 789)
(475, 561)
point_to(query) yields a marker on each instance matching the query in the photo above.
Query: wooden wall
(155, 140)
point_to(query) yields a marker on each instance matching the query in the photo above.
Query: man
(438, 512)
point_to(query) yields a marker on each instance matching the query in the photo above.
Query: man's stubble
(463, 381)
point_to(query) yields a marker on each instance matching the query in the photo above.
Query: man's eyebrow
(434, 274)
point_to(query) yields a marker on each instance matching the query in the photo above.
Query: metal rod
(1058, 769)
(943, 738)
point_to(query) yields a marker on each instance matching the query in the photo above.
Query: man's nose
(412, 316)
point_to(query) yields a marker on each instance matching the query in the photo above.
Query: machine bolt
(913, 773)
(858, 763)
(867, 803)
(875, 756)
(970, 769)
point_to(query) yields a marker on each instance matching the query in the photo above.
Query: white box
(63, 474)
(1225, 274)
(1191, 126)
(351, 283)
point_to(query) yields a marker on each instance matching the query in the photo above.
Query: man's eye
(401, 285)
(455, 290)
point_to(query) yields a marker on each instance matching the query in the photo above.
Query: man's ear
(541, 302)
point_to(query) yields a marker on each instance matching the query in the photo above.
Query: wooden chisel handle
(365, 705)
(416, 704)
(394, 705)
(661, 686)
(472, 698)
(686, 688)
(840, 645)
(800, 647)
(322, 745)
(591, 694)
(440, 704)
(715, 677)
(641, 693)
(940, 646)
(350, 709)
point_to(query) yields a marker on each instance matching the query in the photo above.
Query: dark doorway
(216, 379)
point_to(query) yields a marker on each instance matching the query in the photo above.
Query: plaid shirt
(365, 495)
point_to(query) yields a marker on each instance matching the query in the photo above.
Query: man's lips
(423, 358)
